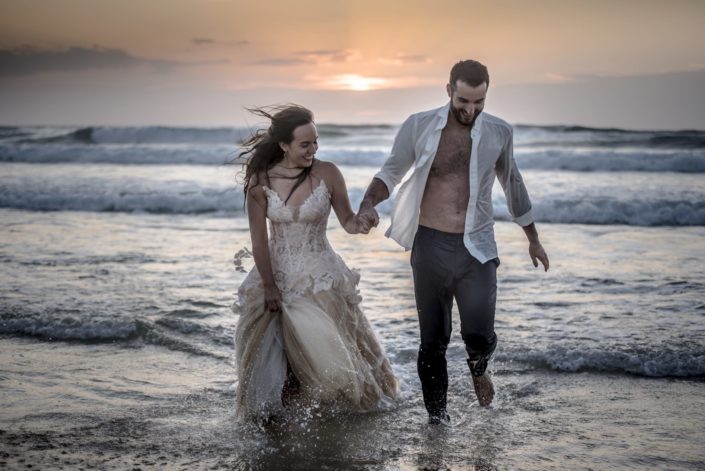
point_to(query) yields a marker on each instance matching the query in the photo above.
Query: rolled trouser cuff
(478, 361)
(478, 367)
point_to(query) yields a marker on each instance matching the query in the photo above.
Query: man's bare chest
(452, 156)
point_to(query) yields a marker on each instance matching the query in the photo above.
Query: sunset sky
(631, 64)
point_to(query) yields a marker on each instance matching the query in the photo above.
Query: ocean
(118, 269)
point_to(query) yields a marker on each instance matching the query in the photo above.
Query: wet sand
(539, 421)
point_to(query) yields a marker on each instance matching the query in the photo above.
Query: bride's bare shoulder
(323, 165)
(326, 169)
(256, 188)
(331, 175)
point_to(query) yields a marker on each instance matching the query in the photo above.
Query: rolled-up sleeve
(402, 156)
(517, 196)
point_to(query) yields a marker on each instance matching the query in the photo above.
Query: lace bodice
(302, 259)
(299, 228)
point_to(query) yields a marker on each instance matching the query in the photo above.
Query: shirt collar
(477, 126)
(442, 120)
(442, 116)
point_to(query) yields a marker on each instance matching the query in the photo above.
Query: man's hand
(536, 251)
(357, 225)
(369, 215)
(375, 194)
(538, 254)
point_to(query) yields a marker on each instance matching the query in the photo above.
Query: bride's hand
(356, 225)
(360, 225)
(272, 298)
(369, 215)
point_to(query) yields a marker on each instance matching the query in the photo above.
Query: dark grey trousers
(444, 270)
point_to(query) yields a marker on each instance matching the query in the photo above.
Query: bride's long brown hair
(262, 149)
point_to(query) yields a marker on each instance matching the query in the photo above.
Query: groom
(443, 213)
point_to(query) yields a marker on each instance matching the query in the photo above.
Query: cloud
(282, 61)
(404, 59)
(29, 61)
(328, 55)
(669, 100)
(312, 57)
(200, 41)
(558, 78)
(552, 78)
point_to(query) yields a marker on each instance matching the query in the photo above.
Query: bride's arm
(257, 216)
(341, 202)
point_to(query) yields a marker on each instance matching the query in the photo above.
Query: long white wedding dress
(321, 332)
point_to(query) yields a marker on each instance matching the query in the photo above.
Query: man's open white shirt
(492, 155)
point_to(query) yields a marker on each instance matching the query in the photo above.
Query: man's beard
(461, 119)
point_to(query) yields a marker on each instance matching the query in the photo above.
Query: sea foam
(682, 361)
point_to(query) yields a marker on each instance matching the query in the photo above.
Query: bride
(301, 335)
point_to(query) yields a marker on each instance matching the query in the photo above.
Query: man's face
(466, 101)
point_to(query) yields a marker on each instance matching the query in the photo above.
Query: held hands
(538, 254)
(368, 216)
(358, 225)
(362, 222)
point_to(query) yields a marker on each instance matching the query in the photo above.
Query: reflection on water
(116, 346)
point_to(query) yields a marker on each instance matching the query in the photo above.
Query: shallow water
(540, 420)
(116, 330)
(116, 350)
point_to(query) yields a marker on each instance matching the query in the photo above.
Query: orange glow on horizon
(363, 83)
(356, 82)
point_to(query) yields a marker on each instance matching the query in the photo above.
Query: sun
(356, 82)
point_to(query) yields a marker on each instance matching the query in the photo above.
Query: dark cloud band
(29, 61)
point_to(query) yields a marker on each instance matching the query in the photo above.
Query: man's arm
(375, 194)
(399, 162)
(518, 202)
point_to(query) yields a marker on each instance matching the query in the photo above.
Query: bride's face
(302, 149)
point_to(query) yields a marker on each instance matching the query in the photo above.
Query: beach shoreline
(624, 422)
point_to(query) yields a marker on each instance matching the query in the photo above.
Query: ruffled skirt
(325, 341)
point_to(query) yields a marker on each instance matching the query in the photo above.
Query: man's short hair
(471, 72)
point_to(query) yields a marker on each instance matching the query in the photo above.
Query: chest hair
(453, 155)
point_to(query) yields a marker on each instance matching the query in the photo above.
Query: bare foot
(484, 389)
